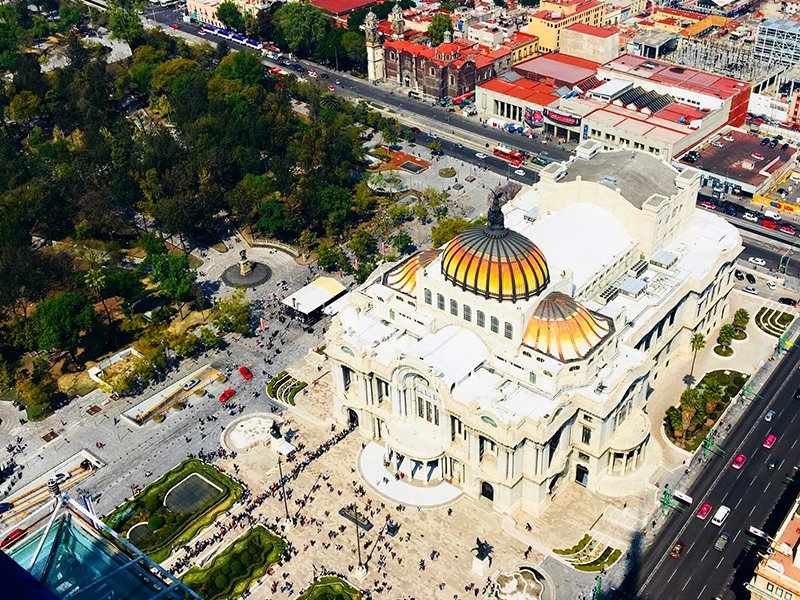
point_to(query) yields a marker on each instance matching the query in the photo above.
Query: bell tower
(398, 23)
(376, 67)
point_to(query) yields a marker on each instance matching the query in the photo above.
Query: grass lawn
(232, 572)
(330, 588)
(171, 529)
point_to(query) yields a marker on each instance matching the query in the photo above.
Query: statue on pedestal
(244, 264)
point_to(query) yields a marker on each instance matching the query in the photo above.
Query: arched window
(509, 330)
(440, 301)
(428, 296)
(467, 313)
(481, 319)
(453, 307)
(495, 325)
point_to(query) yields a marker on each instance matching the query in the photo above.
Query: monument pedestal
(480, 566)
(288, 524)
(360, 572)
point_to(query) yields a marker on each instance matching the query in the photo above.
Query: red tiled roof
(601, 32)
(341, 7)
(522, 89)
(546, 15)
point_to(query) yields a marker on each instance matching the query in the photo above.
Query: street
(756, 495)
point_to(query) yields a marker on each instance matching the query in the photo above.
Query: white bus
(682, 498)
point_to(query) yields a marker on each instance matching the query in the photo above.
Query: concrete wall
(590, 47)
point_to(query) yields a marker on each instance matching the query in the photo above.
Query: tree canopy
(440, 23)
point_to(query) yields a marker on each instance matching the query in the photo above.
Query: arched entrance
(352, 417)
(487, 491)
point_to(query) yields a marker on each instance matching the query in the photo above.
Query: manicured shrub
(221, 581)
(156, 522)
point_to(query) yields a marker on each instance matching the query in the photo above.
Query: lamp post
(289, 521)
(361, 570)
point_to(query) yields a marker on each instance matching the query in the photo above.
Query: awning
(320, 292)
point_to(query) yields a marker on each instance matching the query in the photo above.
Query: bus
(682, 497)
(515, 157)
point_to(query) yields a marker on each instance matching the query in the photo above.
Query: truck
(722, 541)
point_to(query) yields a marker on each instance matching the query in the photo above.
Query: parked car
(751, 290)
(717, 144)
(61, 477)
(773, 143)
(785, 147)
(750, 278)
(175, 26)
(728, 138)
(5, 507)
(755, 260)
(757, 156)
(13, 537)
(788, 301)
(748, 216)
(788, 229)
(738, 274)
(769, 224)
(190, 384)
(765, 141)
(708, 205)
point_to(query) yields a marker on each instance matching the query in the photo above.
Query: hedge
(330, 588)
(235, 568)
(576, 548)
(178, 529)
(295, 390)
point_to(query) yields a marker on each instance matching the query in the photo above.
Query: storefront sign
(561, 118)
(533, 117)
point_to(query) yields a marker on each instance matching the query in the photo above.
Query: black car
(797, 394)
(773, 463)
(788, 301)
(5, 507)
(324, 76)
(773, 143)
(739, 275)
(785, 147)
(750, 278)
(298, 68)
(765, 141)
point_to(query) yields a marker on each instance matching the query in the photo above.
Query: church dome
(563, 329)
(495, 262)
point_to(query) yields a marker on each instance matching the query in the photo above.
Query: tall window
(440, 301)
(509, 330)
(467, 313)
(454, 308)
(495, 325)
(586, 435)
(481, 319)
(428, 296)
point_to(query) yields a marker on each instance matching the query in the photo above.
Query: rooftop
(735, 161)
(342, 7)
(562, 68)
(527, 90)
(781, 24)
(555, 16)
(677, 76)
(601, 32)
(780, 565)
(638, 175)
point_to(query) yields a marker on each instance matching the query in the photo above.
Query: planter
(740, 336)
(723, 351)
(447, 172)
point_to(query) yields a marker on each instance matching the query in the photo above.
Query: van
(771, 214)
(720, 516)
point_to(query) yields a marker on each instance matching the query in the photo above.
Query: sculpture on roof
(495, 216)
(483, 550)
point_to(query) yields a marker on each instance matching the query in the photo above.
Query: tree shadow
(689, 379)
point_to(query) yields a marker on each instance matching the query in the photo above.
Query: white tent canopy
(315, 295)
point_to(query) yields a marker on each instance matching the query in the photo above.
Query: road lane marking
(685, 584)
(794, 442)
(766, 488)
(673, 575)
(738, 503)
(753, 480)
(703, 590)
(703, 558)
(734, 537)
(750, 514)
(720, 562)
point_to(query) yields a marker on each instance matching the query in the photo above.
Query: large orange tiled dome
(563, 329)
(495, 262)
(403, 277)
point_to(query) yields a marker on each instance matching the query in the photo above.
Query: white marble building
(521, 353)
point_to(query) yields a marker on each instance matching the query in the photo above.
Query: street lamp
(361, 570)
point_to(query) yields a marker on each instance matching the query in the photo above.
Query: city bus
(515, 157)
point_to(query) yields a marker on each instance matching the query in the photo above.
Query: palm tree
(726, 333)
(95, 280)
(741, 318)
(329, 100)
(698, 342)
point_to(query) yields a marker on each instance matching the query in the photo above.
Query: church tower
(376, 67)
(398, 23)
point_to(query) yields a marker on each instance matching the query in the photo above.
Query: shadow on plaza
(633, 578)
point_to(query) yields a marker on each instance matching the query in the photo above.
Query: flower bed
(773, 321)
(236, 567)
(175, 528)
(576, 548)
(330, 588)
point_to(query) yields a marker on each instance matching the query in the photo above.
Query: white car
(757, 261)
(61, 477)
(728, 138)
(717, 144)
(771, 284)
(520, 172)
(751, 290)
(433, 135)
(190, 384)
(748, 216)
(480, 155)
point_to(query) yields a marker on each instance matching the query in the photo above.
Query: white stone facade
(506, 389)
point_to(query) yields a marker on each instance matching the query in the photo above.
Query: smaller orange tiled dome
(403, 277)
(563, 329)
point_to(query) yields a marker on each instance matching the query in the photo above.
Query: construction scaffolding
(724, 57)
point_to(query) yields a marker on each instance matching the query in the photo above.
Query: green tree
(184, 344)
(301, 26)
(331, 257)
(401, 242)
(208, 340)
(741, 318)
(710, 395)
(440, 23)
(446, 229)
(688, 406)
(231, 16)
(697, 342)
(233, 313)
(95, 280)
(273, 218)
(24, 107)
(174, 277)
(124, 24)
(726, 333)
(672, 419)
(57, 323)
(398, 214)
(242, 66)
(362, 244)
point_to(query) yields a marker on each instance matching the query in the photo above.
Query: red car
(704, 511)
(738, 461)
(788, 229)
(769, 441)
(245, 372)
(175, 26)
(675, 551)
(13, 537)
(757, 156)
(227, 395)
(769, 224)
(707, 204)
